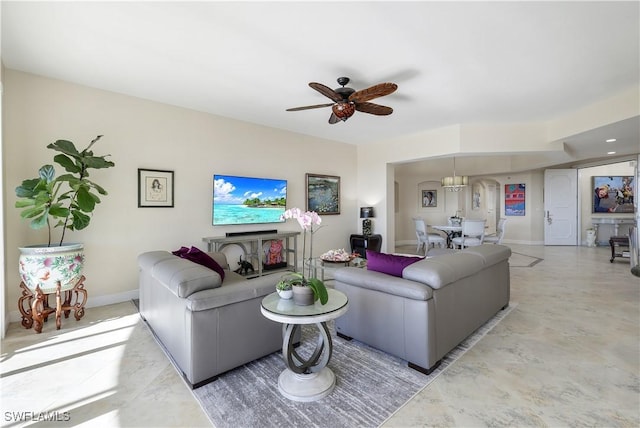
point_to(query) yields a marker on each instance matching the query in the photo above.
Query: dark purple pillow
(181, 251)
(390, 264)
(198, 256)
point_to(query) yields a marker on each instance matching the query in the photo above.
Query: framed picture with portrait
(155, 188)
(429, 198)
(323, 193)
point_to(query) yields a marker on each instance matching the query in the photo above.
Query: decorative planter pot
(285, 294)
(303, 295)
(44, 266)
(51, 270)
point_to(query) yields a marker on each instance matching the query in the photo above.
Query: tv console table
(253, 245)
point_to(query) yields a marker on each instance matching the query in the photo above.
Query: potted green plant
(284, 289)
(65, 201)
(306, 289)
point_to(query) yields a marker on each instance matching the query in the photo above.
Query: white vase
(285, 294)
(45, 266)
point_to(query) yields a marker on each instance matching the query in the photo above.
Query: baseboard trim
(92, 302)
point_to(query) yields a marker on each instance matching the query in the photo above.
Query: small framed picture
(155, 188)
(429, 198)
(323, 194)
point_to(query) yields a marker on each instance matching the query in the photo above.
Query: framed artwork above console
(613, 194)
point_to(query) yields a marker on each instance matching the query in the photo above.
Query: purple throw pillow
(181, 251)
(390, 264)
(200, 257)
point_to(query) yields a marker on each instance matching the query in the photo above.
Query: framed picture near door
(613, 194)
(514, 199)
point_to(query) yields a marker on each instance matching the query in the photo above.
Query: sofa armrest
(383, 283)
(182, 277)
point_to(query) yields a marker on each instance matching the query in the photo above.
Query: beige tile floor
(567, 355)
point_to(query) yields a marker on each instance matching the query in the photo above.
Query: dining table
(450, 231)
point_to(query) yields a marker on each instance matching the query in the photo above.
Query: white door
(560, 207)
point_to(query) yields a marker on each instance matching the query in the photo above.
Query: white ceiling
(454, 62)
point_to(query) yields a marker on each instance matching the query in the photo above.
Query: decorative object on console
(454, 183)
(273, 255)
(347, 100)
(514, 199)
(366, 213)
(613, 194)
(66, 201)
(298, 280)
(323, 194)
(245, 267)
(155, 188)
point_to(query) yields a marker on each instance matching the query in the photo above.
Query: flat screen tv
(248, 200)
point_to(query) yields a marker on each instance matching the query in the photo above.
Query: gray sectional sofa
(433, 306)
(208, 325)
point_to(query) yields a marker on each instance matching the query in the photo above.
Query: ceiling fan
(347, 100)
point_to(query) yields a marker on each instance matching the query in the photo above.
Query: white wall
(143, 134)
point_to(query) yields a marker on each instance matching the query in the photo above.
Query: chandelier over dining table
(454, 183)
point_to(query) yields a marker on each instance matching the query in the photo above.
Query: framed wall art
(514, 199)
(323, 193)
(613, 194)
(155, 188)
(429, 198)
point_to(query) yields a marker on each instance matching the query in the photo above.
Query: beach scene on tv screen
(248, 200)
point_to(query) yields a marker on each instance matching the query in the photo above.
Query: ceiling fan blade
(375, 91)
(334, 119)
(326, 91)
(309, 107)
(372, 108)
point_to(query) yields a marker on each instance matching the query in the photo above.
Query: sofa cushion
(490, 253)
(184, 277)
(383, 283)
(200, 257)
(439, 271)
(390, 264)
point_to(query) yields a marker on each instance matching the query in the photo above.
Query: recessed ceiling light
(611, 140)
(611, 153)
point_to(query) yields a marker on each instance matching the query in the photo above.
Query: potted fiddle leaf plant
(64, 201)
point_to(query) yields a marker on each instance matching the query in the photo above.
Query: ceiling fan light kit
(347, 100)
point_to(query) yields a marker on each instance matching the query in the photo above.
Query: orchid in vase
(307, 221)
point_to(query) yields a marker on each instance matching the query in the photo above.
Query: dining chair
(472, 234)
(426, 239)
(496, 238)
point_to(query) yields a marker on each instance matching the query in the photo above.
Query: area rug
(371, 385)
(523, 260)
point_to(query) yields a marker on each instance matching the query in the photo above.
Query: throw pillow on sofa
(198, 256)
(391, 264)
